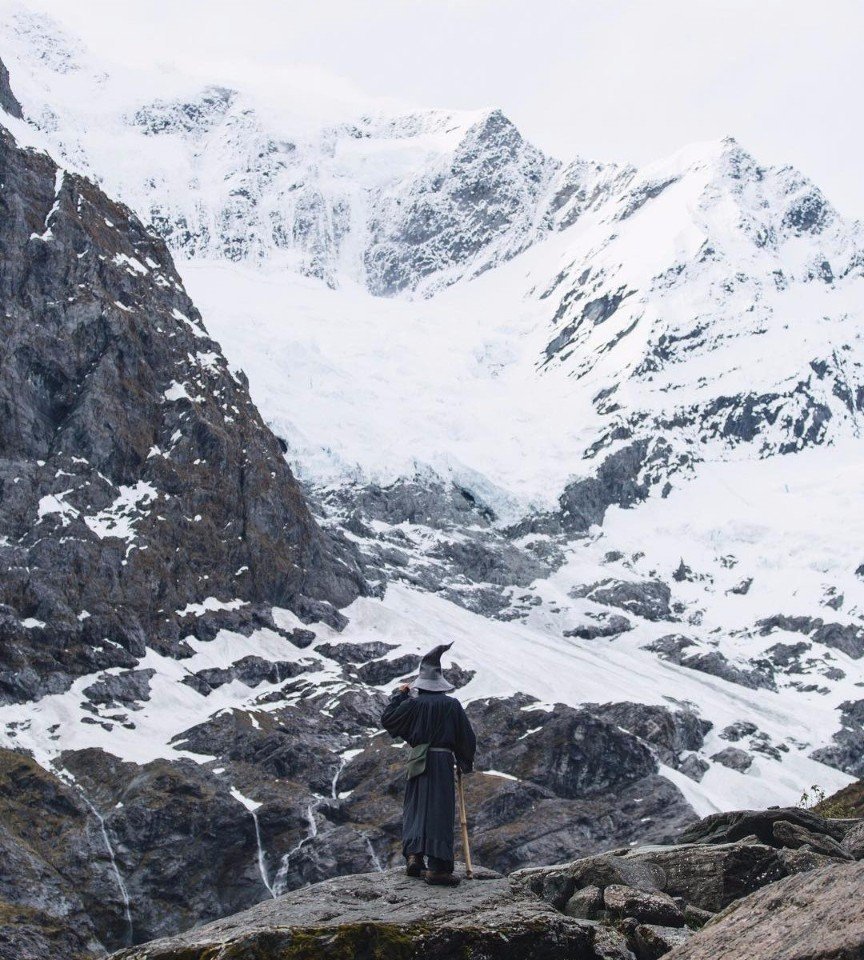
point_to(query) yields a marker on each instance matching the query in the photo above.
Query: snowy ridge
(240, 176)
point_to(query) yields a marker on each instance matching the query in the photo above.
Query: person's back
(423, 715)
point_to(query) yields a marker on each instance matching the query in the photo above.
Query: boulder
(793, 835)
(734, 758)
(652, 941)
(712, 877)
(694, 767)
(853, 842)
(695, 917)
(646, 906)
(585, 903)
(810, 916)
(709, 877)
(737, 824)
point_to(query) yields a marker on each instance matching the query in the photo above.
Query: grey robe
(430, 804)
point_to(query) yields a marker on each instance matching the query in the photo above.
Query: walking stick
(466, 849)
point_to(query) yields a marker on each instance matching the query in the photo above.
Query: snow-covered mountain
(598, 424)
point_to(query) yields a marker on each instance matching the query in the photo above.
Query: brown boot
(415, 866)
(440, 879)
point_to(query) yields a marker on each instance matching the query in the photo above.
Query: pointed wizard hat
(430, 676)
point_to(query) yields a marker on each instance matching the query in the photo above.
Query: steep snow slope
(506, 657)
(717, 320)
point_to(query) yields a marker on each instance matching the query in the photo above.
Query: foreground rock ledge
(388, 915)
(786, 889)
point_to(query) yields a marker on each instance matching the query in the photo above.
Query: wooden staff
(463, 821)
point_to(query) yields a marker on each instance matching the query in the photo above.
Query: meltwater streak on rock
(373, 856)
(262, 865)
(280, 880)
(121, 885)
(343, 760)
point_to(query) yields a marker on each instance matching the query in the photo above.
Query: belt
(440, 750)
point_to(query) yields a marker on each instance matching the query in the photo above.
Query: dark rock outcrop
(611, 626)
(672, 646)
(8, 100)
(648, 599)
(738, 824)
(853, 842)
(669, 732)
(618, 480)
(847, 751)
(846, 637)
(136, 476)
(453, 215)
(249, 670)
(734, 758)
(621, 905)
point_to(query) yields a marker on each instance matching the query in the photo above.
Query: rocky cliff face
(137, 477)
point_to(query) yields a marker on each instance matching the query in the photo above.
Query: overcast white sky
(611, 79)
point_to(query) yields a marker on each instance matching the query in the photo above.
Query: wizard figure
(436, 728)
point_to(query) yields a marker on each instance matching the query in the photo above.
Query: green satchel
(416, 763)
(417, 760)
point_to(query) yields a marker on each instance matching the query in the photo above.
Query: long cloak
(430, 804)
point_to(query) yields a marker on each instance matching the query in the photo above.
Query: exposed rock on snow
(8, 100)
(847, 752)
(649, 599)
(517, 461)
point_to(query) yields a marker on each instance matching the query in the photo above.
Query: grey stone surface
(694, 767)
(793, 836)
(585, 903)
(249, 670)
(611, 626)
(653, 941)
(849, 638)
(736, 824)
(847, 751)
(8, 100)
(811, 916)
(669, 732)
(129, 687)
